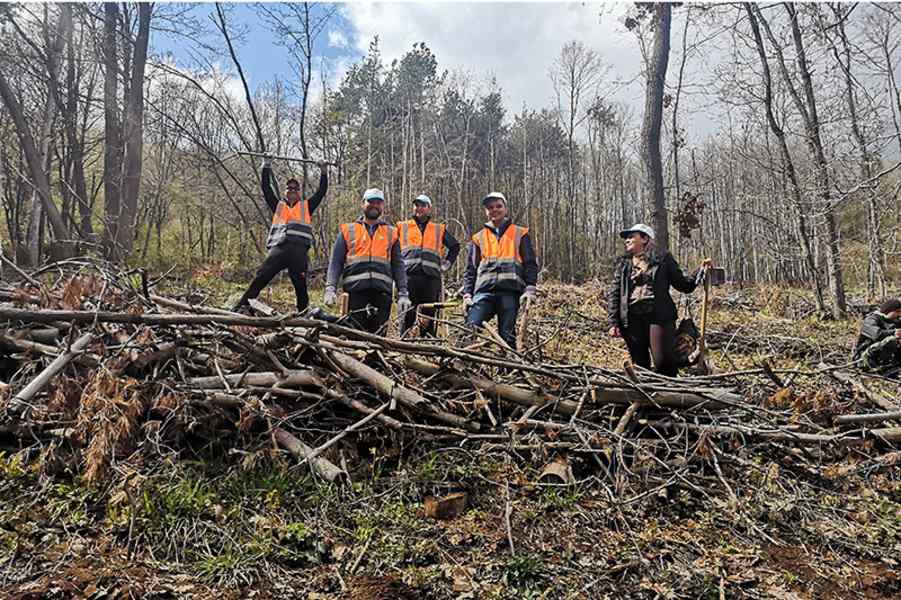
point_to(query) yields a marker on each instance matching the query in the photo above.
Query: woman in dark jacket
(640, 308)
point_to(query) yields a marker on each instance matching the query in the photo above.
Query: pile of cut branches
(97, 369)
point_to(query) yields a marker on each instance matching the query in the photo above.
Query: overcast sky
(516, 43)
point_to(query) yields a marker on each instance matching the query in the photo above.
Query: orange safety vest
(292, 223)
(501, 268)
(367, 264)
(423, 251)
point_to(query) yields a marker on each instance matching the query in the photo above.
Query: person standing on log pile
(428, 250)
(878, 346)
(367, 258)
(640, 308)
(501, 270)
(290, 236)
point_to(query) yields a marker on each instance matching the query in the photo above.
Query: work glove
(529, 294)
(323, 166)
(467, 301)
(403, 303)
(330, 296)
(267, 161)
(445, 266)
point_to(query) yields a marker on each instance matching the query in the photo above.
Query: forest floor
(232, 518)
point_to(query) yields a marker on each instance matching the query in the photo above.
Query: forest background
(778, 159)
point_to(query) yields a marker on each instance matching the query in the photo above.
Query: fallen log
(326, 469)
(888, 434)
(48, 335)
(14, 343)
(397, 392)
(877, 399)
(867, 418)
(265, 379)
(87, 316)
(21, 402)
(605, 395)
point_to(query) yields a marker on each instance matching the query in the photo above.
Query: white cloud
(516, 43)
(337, 39)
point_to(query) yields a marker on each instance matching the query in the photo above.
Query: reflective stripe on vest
(500, 269)
(367, 264)
(422, 251)
(291, 223)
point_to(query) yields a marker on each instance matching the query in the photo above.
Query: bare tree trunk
(677, 139)
(305, 78)
(812, 125)
(76, 145)
(134, 134)
(876, 271)
(35, 157)
(653, 119)
(803, 230)
(112, 152)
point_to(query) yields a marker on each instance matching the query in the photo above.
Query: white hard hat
(373, 194)
(494, 196)
(637, 228)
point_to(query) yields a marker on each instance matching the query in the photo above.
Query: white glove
(529, 294)
(403, 303)
(445, 266)
(330, 296)
(267, 161)
(467, 300)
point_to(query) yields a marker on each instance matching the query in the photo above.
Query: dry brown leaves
(109, 416)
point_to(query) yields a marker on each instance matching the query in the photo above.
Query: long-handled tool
(441, 329)
(278, 157)
(712, 276)
(525, 314)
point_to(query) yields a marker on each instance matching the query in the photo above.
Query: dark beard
(372, 213)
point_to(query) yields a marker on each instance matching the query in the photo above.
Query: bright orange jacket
(501, 268)
(422, 251)
(291, 223)
(368, 262)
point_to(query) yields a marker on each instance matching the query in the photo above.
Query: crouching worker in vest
(501, 270)
(878, 346)
(428, 250)
(290, 236)
(366, 257)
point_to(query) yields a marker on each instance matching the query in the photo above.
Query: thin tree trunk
(789, 167)
(134, 133)
(653, 119)
(812, 124)
(876, 272)
(112, 155)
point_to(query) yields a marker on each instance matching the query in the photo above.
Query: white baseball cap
(423, 199)
(637, 228)
(373, 194)
(494, 196)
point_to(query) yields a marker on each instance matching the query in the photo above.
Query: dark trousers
(423, 290)
(505, 305)
(291, 256)
(373, 319)
(647, 339)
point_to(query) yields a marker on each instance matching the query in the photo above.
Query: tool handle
(702, 342)
(289, 158)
